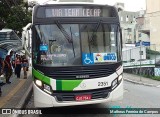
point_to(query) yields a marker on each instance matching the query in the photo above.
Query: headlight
(38, 83)
(114, 83)
(47, 89)
(120, 78)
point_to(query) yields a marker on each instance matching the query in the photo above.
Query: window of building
(134, 18)
(121, 18)
(127, 18)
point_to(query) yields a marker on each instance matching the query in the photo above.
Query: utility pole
(155, 53)
(140, 58)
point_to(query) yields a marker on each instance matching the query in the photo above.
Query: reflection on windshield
(73, 44)
(66, 35)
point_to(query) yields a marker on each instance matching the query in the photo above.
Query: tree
(15, 14)
(2, 25)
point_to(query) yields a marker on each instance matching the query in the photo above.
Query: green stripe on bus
(67, 85)
(58, 85)
(41, 77)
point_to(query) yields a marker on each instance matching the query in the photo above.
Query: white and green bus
(76, 54)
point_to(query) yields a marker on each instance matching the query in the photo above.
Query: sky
(130, 5)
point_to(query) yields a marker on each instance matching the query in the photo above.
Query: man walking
(8, 67)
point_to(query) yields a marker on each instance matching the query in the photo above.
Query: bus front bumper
(42, 99)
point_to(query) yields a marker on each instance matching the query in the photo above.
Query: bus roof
(75, 3)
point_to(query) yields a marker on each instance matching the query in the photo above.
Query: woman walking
(18, 66)
(25, 65)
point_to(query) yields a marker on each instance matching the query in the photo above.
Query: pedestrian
(1, 71)
(25, 65)
(0, 91)
(18, 66)
(8, 67)
(14, 64)
(2, 64)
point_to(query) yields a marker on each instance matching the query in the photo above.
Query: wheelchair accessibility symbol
(87, 58)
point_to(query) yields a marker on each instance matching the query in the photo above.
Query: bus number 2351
(102, 83)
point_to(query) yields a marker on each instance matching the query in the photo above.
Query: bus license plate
(82, 97)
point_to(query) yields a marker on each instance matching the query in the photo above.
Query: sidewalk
(14, 94)
(141, 80)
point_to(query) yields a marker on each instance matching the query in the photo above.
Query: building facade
(151, 25)
(141, 35)
(128, 23)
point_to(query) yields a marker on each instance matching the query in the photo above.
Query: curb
(23, 100)
(141, 83)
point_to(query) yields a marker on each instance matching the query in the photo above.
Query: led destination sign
(73, 12)
(78, 12)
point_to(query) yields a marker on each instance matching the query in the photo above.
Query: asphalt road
(135, 96)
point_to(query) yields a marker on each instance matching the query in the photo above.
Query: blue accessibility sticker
(87, 58)
(110, 57)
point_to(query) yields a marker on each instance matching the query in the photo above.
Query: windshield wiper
(95, 31)
(72, 41)
(64, 32)
(66, 35)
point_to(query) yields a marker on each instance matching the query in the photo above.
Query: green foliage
(14, 14)
(149, 51)
(148, 56)
(156, 78)
(152, 77)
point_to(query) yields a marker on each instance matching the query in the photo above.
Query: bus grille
(70, 96)
(80, 73)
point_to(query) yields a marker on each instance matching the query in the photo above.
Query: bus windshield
(76, 44)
